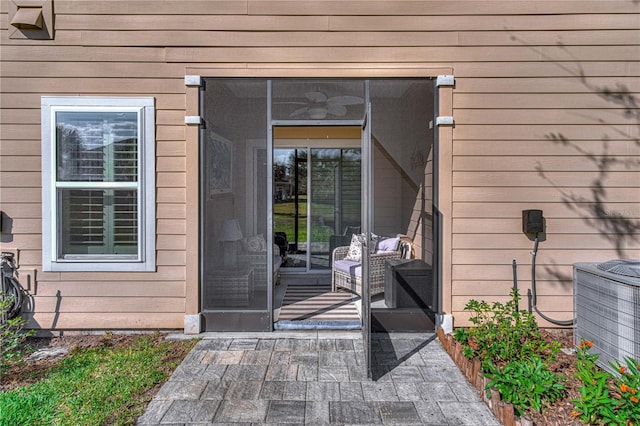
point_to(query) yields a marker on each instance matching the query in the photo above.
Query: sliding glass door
(316, 203)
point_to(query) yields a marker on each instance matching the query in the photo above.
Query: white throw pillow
(255, 243)
(387, 245)
(355, 249)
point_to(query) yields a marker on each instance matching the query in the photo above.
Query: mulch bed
(558, 414)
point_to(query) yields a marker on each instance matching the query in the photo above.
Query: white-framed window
(98, 184)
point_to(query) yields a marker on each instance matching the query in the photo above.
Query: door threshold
(316, 325)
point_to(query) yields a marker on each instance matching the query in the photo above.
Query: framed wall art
(219, 164)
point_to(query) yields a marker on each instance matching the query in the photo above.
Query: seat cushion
(347, 266)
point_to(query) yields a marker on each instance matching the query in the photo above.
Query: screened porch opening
(282, 190)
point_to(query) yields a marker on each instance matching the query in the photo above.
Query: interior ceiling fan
(318, 105)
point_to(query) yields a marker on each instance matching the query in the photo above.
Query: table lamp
(230, 233)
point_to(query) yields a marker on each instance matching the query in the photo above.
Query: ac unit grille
(607, 310)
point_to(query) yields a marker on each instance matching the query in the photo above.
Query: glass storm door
(366, 236)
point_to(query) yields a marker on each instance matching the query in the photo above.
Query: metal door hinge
(192, 80)
(445, 80)
(192, 119)
(444, 121)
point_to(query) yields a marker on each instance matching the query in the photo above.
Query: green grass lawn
(96, 386)
(284, 216)
(284, 220)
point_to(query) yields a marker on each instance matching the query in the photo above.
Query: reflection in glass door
(335, 202)
(316, 203)
(290, 205)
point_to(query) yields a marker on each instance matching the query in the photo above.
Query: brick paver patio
(316, 378)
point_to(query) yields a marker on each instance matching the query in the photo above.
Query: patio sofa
(346, 269)
(254, 252)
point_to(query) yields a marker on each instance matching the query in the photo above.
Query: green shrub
(606, 399)
(12, 336)
(628, 383)
(525, 383)
(502, 333)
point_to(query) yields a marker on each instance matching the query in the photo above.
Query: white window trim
(146, 260)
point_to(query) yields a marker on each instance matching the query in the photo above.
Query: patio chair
(347, 266)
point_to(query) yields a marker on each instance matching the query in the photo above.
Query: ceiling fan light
(317, 112)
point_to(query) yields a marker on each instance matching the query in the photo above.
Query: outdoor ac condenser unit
(607, 307)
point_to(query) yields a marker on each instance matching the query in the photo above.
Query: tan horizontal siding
(122, 288)
(462, 317)
(170, 164)
(182, 37)
(522, 255)
(430, 7)
(192, 22)
(21, 210)
(168, 180)
(555, 303)
(575, 163)
(26, 225)
(569, 84)
(510, 209)
(91, 69)
(320, 7)
(32, 100)
(104, 304)
(20, 179)
(105, 320)
(520, 242)
(170, 149)
(171, 226)
(171, 242)
(540, 116)
(551, 179)
(539, 194)
(554, 225)
(159, 7)
(168, 273)
(504, 272)
(463, 22)
(22, 164)
(560, 68)
(171, 257)
(93, 85)
(268, 39)
(49, 53)
(511, 148)
(478, 289)
(517, 132)
(517, 66)
(171, 211)
(392, 54)
(528, 101)
(21, 194)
